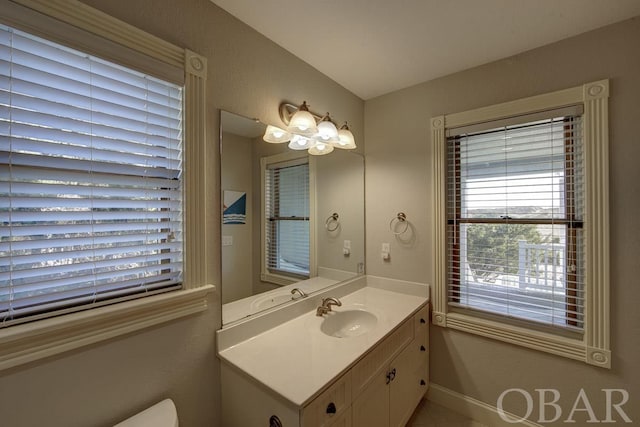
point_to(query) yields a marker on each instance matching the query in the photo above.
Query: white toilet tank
(162, 414)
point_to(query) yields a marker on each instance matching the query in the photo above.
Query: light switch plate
(227, 240)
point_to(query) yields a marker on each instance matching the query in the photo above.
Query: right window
(520, 241)
(515, 218)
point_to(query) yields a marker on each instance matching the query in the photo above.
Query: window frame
(593, 346)
(82, 27)
(265, 274)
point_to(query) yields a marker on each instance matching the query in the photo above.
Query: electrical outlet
(347, 244)
(385, 247)
(227, 240)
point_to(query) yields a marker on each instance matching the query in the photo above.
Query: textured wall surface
(398, 156)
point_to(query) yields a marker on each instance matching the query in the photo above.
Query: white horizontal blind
(515, 215)
(287, 218)
(90, 180)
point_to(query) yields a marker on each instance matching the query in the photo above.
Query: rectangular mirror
(290, 220)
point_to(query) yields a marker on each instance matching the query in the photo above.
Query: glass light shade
(320, 149)
(301, 143)
(275, 135)
(347, 141)
(303, 123)
(327, 132)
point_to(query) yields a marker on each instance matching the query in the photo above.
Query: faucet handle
(325, 305)
(329, 301)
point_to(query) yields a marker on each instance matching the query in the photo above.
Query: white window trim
(594, 346)
(29, 342)
(265, 275)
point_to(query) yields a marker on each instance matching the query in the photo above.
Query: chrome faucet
(325, 307)
(299, 291)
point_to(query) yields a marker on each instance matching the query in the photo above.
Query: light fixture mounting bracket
(287, 110)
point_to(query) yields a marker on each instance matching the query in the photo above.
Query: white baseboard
(472, 408)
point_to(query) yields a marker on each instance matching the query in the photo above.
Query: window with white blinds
(90, 180)
(287, 218)
(515, 196)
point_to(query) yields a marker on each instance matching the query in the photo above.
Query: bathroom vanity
(363, 364)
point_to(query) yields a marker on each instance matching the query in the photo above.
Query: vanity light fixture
(299, 142)
(327, 131)
(302, 122)
(309, 131)
(320, 149)
(346, 139)
(276, 135)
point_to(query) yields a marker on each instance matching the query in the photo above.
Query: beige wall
(237, 272)
(102, 384)
(99, 385)
(340, 189)
(398, 156)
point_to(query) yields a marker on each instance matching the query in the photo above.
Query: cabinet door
(405, 386)
(409, 374)
(371, 407)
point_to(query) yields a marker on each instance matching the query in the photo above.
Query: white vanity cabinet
(289, 369)
(382, 388)
(391, 380)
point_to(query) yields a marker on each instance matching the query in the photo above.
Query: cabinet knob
(422, 382)
(393, 374)
(422, 320)
(422, 348)
(388, 377)
(331, 408)
(274, 421)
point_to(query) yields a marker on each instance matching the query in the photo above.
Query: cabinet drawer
(343, 420)
(329, 407)
(380, 356)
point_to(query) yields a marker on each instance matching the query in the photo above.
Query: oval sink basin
(348, 323)
(270, 301)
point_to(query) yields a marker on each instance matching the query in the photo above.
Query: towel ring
(333, 219)
(401, 218)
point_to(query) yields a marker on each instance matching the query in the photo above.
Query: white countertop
(296, 360)
(246, 307)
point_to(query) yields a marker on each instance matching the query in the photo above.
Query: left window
(103, 180)
(90, 180)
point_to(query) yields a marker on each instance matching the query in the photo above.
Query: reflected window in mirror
(286, 218)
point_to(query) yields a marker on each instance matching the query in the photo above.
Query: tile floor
(429, 414)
